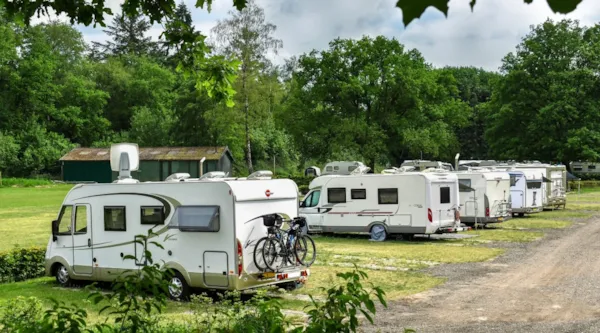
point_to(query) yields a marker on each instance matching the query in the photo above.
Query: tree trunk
(246, 112)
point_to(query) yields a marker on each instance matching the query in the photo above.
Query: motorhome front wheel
(62, 275)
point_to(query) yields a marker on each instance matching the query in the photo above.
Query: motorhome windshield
(534, 184)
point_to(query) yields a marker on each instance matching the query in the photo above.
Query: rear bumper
(250, 281)
(488, 219)
(528, 210)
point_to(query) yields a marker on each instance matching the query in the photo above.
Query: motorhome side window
(577, 169)
(513, 180)
(358, 193)
(152, 215)
(387, 196)
(351, 168)
(81, 219)
(336, 195)
(329, 168)
(114, 218)
(197, 219)
(534, 185)
(591, 167)
(64, 221)
(464, 185)
(444, 195)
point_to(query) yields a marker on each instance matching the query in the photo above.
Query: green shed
(156, 163)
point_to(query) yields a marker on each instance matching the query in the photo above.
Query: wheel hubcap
(176, 287)
(63, 274)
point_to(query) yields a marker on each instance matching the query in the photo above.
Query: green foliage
(21, 264)
(24, 182)
(21, 315)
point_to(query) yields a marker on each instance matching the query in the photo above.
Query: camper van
(405, 204)
(525, 191)
(554, 183)
(207, 226)
(343, 168)
(484, 196)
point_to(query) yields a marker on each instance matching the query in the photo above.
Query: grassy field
(396, 266)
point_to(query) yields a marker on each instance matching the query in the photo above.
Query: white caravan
(207, 226)
(526, 192)
(405, 203)
(554, 183)
(484, 196)
(343, 168)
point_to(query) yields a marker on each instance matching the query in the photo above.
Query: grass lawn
(535, 223)
(502, 235)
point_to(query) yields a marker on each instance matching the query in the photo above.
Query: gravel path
(548, 285)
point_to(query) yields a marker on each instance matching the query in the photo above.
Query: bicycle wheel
(272, 254)
(305, 250)
(259, 260)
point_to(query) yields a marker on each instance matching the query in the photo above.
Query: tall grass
(24, 182)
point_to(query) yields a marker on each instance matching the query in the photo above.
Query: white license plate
(293, 275)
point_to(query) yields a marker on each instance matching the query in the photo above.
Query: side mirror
(302, 204)
(54, 230)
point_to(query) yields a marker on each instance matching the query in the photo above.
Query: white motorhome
(421, 165)
(484, 196)
(343, 168)
(554, 182)
(406, 203)
(211, 224)
(525, 191)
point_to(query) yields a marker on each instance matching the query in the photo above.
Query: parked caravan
(554, 183)
(525, 191)
(312, 171)
(343, 168)
(484, 196)
(207, 226)
(405, 203)
(421, 165)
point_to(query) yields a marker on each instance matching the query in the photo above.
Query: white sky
(480, 38)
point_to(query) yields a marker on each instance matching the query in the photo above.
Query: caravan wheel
(378, 233)
(178, 288)
(62, 275)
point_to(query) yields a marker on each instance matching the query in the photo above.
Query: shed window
(444, 195)
(152, 215)
(358, 193)
(336, 195)
(197, 218)
(388, 196)
(114, 218)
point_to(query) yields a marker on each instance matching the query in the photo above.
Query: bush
(588, 176)
(24, 182)
(21, 315)
(573, 185)
(21, 264)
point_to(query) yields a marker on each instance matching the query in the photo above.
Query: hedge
(574, 184)
(21, 264)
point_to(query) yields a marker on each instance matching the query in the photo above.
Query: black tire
(179, 290)
(273, 254)
(521, 214)
(302, 250)
(62, 275)
(258, 257)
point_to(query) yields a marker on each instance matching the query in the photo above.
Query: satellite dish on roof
(124, 158)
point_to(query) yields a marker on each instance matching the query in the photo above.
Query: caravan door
(517, 191)
(82, 240)
(310, 209)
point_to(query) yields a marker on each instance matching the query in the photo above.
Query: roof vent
(262, 174)
(178, 177)
(214, 175)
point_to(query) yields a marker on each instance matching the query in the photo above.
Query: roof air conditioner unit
(214, 175)
(178, 177)
(262, 174)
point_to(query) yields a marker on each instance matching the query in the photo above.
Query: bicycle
(288, 246)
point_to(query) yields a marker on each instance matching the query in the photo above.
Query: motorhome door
(82, 240)
(311, 210)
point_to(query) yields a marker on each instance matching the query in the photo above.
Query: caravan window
(351, 168)
(114, 218)
(444, 195)
(388, 196)
(152, 215)
(336, 168)
(534, 185)
(464, 185)
(64, 221)
(197, 218)
(358, 193)
(336, 195)
(329, 168)
(591, 167)
(513, 180)
(577, 169)
(81, 219)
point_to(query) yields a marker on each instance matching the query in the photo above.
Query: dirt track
(549, 285)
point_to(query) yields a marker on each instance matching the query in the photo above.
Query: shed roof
(150, 154)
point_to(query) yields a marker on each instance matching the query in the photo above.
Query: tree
(372, 99)
(128, 37)
(546, 106)
(177, 27)
(475, 87)
(248, 37)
